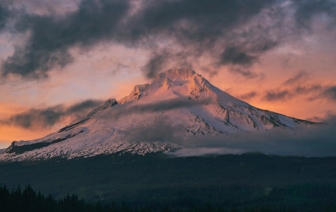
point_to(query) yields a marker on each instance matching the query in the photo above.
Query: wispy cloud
(248, 96)
(276, 95)
(297, 86)
(48, 117)
(330, 93)
(299, 77)
(159, 106)
(157, 130)
(243, 71)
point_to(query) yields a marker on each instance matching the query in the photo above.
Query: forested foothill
(159, 182)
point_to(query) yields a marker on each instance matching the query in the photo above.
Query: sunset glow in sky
(62, 58)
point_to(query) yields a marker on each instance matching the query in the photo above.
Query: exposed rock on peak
(108, 103)
(137, 92)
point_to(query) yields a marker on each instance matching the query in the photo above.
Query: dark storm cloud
(314, 141)
(155, 63)
(173, 32)
(48, 117)
(195, 26)
(233, 56)
(307, 9)
(4, 15)
(199, 27)
(192, 21)
(39, 7)
(51, 37)
(164, 105)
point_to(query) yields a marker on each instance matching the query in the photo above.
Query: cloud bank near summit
(316, 141)
(165, 105)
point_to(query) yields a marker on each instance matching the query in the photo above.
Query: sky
(60, 59)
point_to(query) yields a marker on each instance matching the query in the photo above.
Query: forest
(28, 200)
(159, 182)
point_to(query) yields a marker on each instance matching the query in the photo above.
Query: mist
(314, 141)
(159, 106)
(44, 118)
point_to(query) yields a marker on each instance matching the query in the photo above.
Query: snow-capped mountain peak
(178, 105)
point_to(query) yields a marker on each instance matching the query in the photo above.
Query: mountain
(178, 106)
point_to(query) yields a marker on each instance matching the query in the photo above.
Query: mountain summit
(178, 106)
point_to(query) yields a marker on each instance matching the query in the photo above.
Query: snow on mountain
(179, 105)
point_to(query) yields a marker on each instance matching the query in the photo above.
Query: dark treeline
(28, 200)
(157, 182)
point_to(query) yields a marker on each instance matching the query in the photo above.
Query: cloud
(4, 15)
(313, 141)
(234, 56)
(164, 105)
(248, 96)
(173, 33)
(158, 127)
(299, 77)
(315, 119)
(307, 10)
(51, 37)
(37, 118)
(193, 27)
(59, 7)
(50, 116)
(330, 93)
(199, 151)
(275, 95)
(156, 63)
(80, 107)
(296, 86)
(243, 71)
(159, 130)
(310, 91)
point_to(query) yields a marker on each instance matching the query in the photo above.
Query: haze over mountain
(178, 107)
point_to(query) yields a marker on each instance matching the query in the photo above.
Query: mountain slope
(178, 106)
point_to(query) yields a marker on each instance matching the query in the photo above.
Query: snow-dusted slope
(179, 105)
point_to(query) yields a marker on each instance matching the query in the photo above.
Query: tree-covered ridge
(248, 182)
(28, 200)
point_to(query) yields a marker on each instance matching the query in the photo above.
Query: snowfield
(178, 106)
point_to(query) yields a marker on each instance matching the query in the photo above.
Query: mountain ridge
(177, 106)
